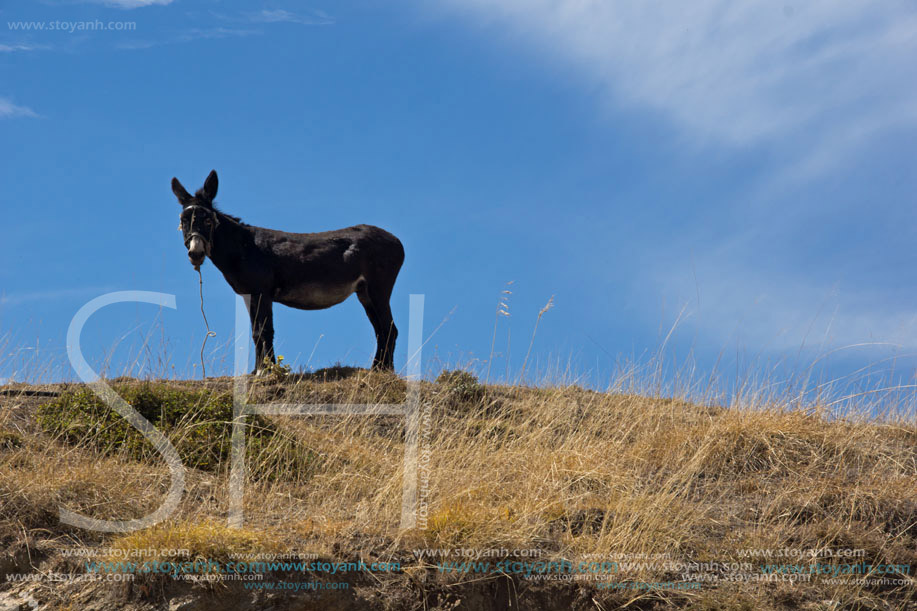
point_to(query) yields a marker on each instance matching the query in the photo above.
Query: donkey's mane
(230, 217)
(200, 195)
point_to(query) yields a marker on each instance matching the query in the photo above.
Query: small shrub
(461, 386)
(10, 440)
(278, 371)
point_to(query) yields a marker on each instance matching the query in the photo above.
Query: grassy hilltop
(761, 507)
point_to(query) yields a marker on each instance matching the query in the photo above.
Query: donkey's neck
(230, 240)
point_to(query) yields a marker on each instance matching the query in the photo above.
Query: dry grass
(204, 540)
(574, 473)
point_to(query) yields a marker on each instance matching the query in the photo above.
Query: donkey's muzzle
(196, 250)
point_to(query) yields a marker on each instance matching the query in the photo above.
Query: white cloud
(129, 4)
(737, 73)
(10, 110)
(283, 16)
(16, 47)
(251, 27)
(191, 35)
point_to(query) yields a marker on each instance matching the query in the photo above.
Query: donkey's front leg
(260, 311)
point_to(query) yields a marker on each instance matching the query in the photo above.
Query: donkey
(307, 271)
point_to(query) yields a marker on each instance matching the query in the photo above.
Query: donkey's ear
(183, 196)
(210, 186)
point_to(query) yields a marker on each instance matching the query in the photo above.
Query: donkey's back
(318, 270)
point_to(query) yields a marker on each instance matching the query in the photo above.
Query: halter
(209, 239)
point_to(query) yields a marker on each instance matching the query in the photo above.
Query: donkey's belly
(315, 296)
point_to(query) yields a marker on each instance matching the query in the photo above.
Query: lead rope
(209, 332)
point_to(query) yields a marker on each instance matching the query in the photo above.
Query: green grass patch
(197, 422)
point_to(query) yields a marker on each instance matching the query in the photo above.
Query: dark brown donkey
(308, 271)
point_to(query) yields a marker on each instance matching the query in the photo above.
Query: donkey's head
(198, 218)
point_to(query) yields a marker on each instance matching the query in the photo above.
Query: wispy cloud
(129, 4)
(818, 73)
(190, 36)
(235, 27)
(14, 48)
(9, 110)
(316, 17)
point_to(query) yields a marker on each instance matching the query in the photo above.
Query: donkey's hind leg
(380, 315)
(389, 335)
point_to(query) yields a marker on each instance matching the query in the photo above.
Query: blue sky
(743, 172)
